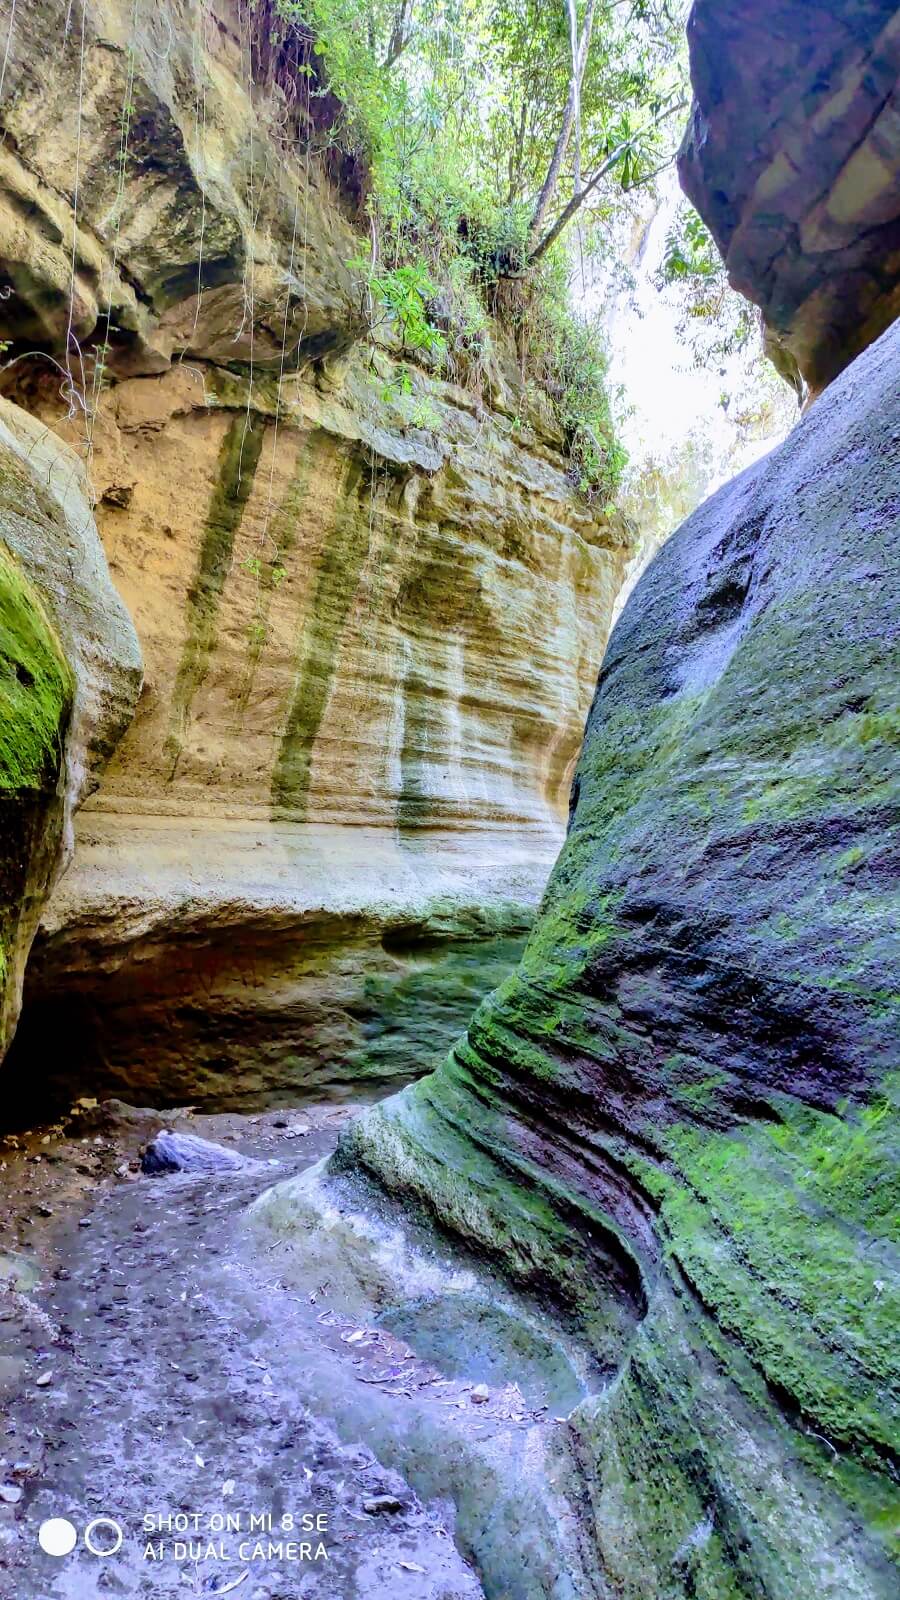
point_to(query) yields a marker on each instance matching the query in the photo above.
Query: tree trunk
(577, 200)
(545, 198)
(399, 36)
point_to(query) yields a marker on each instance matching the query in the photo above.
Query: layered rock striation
(792, 157)
(370, 605)
(677, 1119)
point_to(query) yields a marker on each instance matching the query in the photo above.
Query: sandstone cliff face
(370, 606)
(70, 674)
(679, 1113)
(791, 157)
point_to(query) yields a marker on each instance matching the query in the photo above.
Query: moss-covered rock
(70, 674)
(36, 690)
(678, 1117)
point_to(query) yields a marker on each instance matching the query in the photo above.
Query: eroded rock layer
(367, 598)
(792, 157)
(678, 1117)
(240, 967)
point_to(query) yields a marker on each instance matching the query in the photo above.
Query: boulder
(791, 156)
(185, 1152)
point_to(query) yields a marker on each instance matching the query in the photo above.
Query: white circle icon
(57, 1536)
(103, 1549)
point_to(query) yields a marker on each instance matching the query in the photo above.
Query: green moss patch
(334, 586)
(36, 691)
(36, 686)
(238, 461)
(786, 1230)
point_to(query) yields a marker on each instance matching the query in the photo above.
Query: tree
(486, 128)
(588, 98)
(580, 45)
(533, 103)
(540, 243)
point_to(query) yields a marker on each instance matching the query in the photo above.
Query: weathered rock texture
(238, 965)
(792, 157)
(360, 607)
(70, 674)
(679, 1115)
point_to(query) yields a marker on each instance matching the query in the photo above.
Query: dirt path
(147, 1377)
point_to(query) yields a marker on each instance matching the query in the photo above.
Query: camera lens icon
(59, 1536)
(107, 1543)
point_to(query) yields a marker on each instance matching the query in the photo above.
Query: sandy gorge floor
(219, 1385)
(153, 1370)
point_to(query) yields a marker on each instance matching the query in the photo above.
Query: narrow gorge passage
(164, 1367)
(449, 803)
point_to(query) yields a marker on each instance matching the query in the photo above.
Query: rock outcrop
(35, 703)
(70, 674)
(371, 606)
(792, 157)
(678, 1117)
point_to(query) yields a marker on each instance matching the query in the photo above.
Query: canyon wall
(370, 605)
(674, 1128)
(677, 1120)
(791, 159)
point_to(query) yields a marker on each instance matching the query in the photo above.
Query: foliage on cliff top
(715, 322)
(486, 128)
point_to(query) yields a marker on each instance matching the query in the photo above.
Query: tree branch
(400, 37)
(548, 190)
(577, 200)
